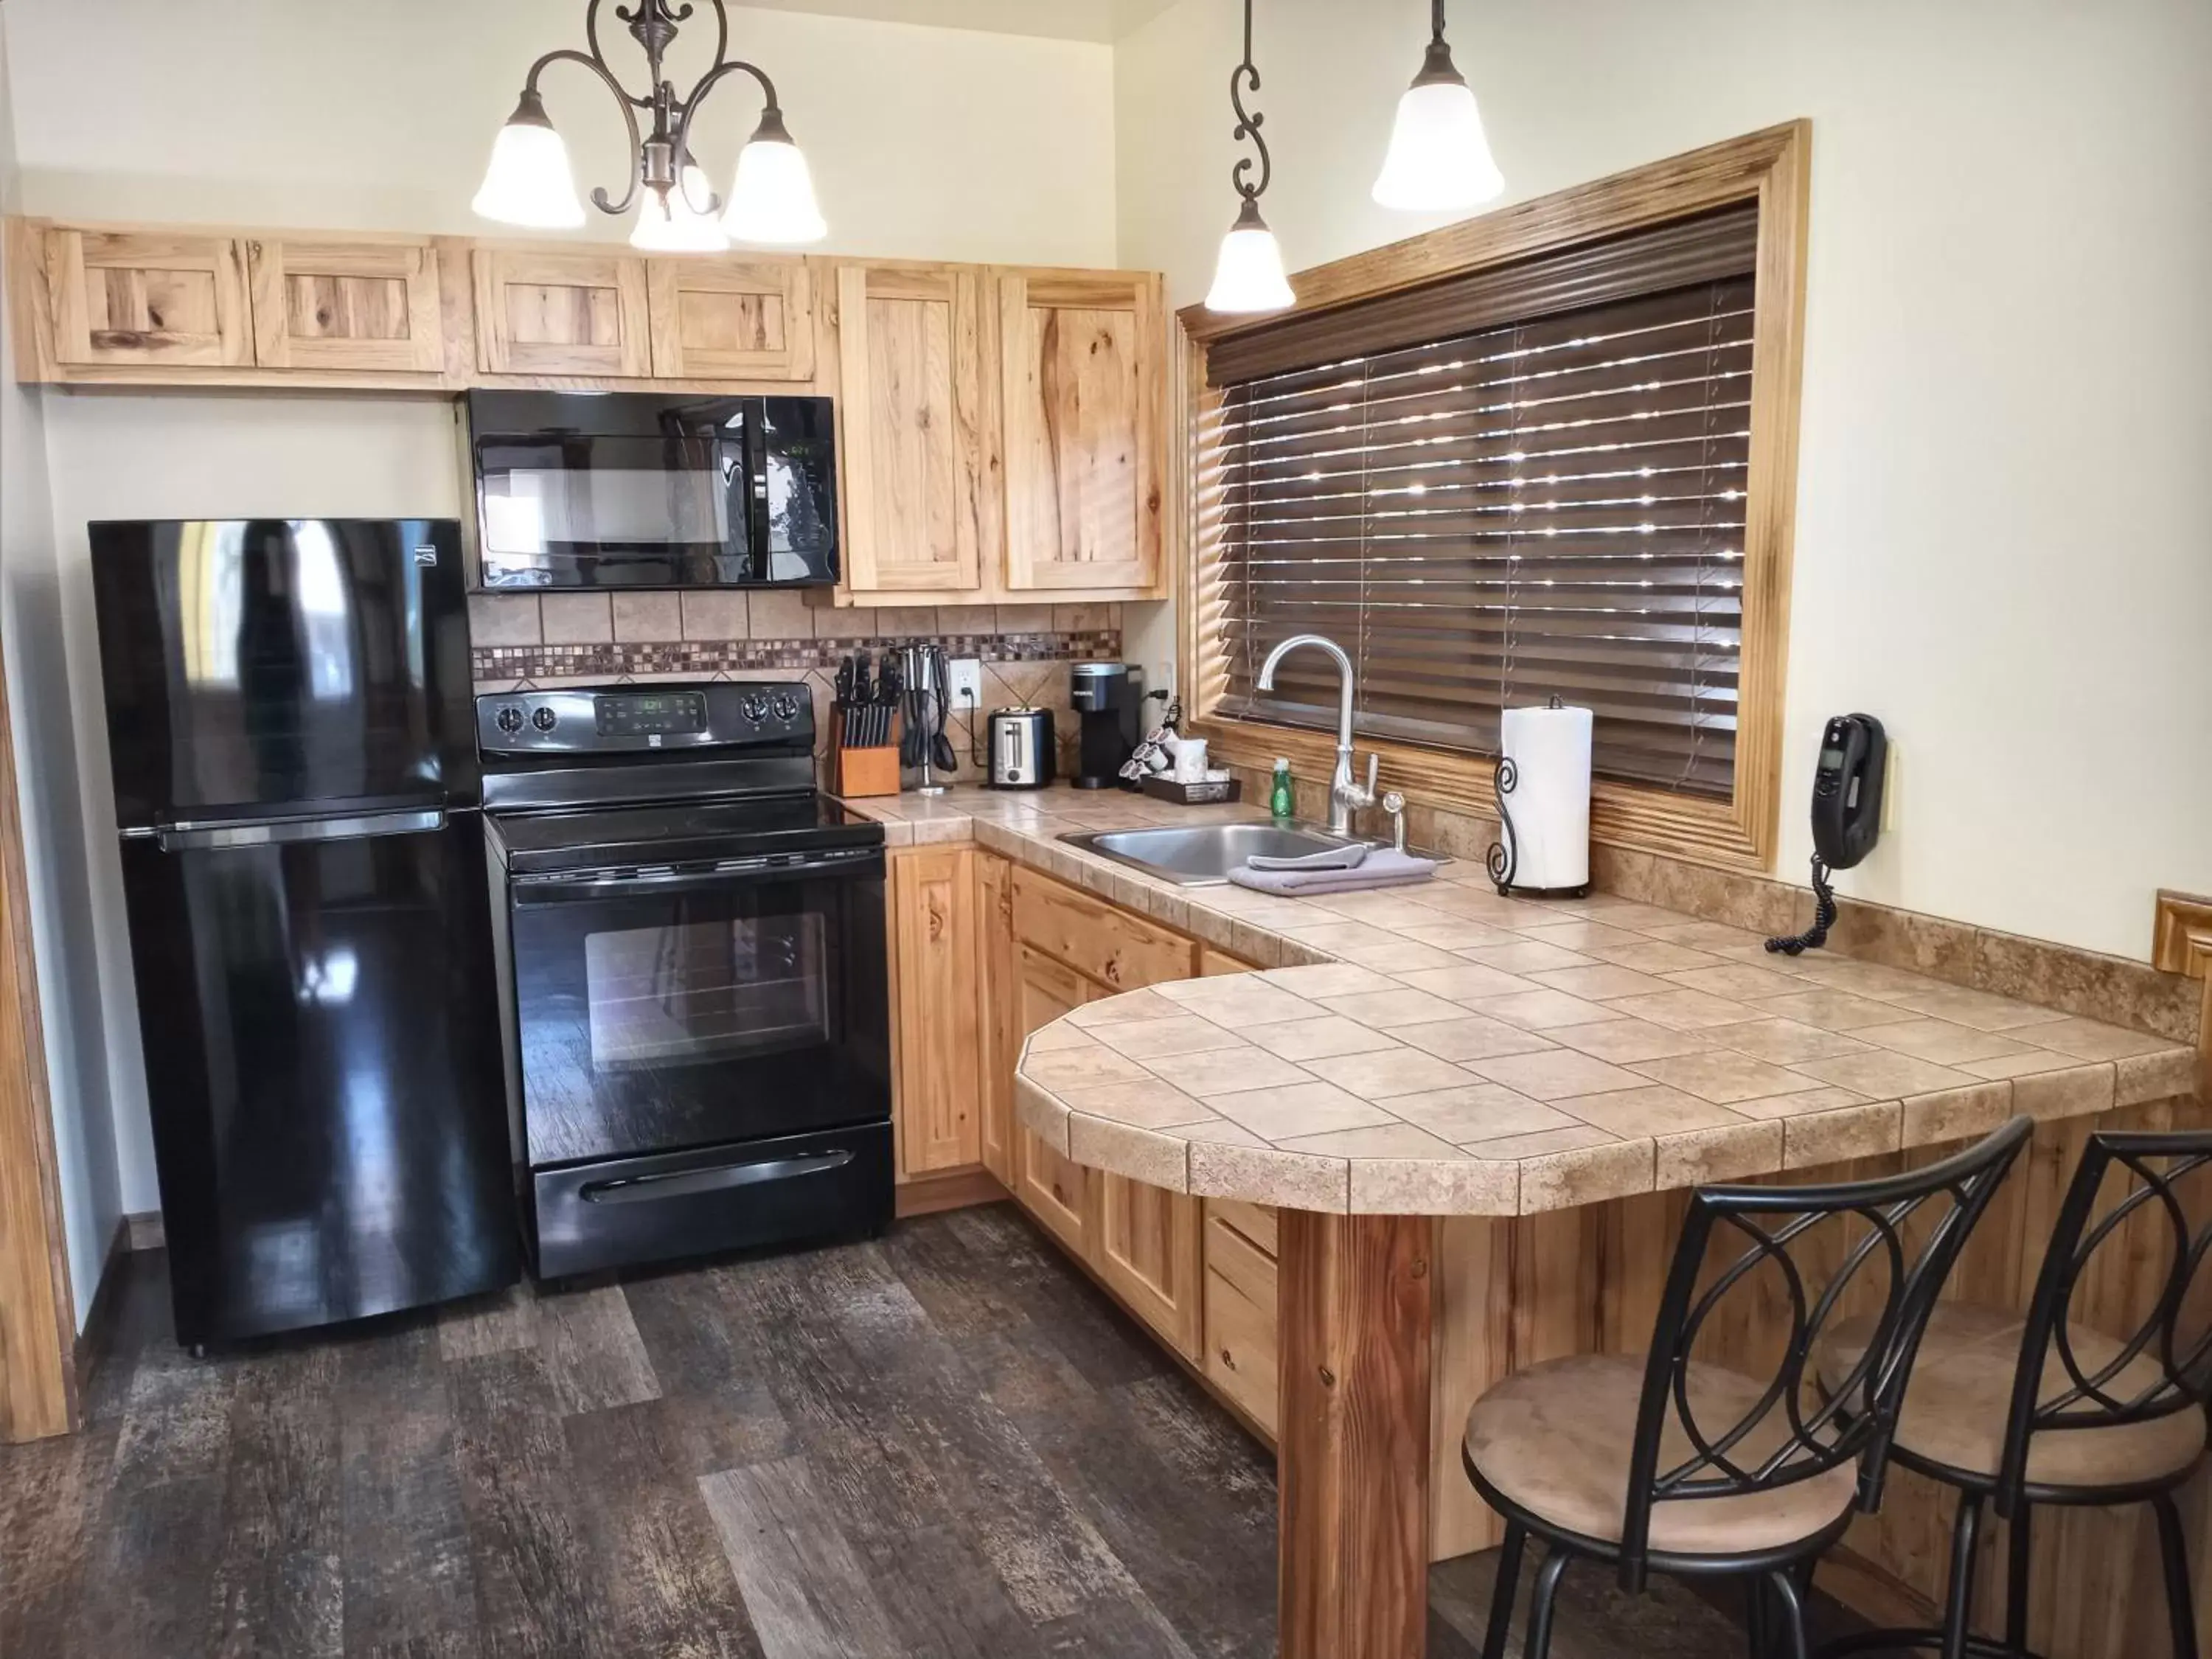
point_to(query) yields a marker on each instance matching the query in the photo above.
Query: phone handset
(1846, 815)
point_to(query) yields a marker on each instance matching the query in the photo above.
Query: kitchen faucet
(1344, 795)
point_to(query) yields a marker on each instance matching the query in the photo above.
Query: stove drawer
(621, 1212)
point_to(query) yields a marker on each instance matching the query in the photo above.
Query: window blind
(1549, 503)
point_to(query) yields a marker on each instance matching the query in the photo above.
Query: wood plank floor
(946, 1445)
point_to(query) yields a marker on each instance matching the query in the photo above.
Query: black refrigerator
(290, 722)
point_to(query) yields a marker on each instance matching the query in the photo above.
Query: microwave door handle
(763, 559)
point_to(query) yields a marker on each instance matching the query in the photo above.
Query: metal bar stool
(1662, 1461)
(2015, 1413)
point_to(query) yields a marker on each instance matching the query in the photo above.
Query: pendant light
(1249, 277)
(1438, 161)
(529, 181)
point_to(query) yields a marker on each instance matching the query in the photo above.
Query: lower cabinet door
(1050, 1187)
(1147, 1247)
(1240, 1321)
(1054, 1191)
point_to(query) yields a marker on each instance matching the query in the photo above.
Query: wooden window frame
(1770, 167)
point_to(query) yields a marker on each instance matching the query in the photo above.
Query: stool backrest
(2150, 1216)
(1776, 1225)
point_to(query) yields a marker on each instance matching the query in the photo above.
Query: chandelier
(771, 200)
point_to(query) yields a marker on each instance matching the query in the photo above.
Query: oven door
(623, 510)
(665, 1009)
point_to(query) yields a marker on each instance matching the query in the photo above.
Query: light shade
(529, 181)
(772, 199)
(682, 223)
(1439, 160)
(1249, 274)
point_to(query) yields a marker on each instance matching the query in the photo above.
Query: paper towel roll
(1550, 748)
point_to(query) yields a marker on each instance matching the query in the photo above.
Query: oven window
(651, 1021)
(705, 991)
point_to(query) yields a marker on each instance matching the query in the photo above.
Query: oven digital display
(650, 714)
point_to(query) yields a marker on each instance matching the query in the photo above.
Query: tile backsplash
(571, 639)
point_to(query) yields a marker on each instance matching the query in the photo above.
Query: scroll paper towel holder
(1504, 856)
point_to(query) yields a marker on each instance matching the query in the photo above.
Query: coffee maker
(1107, 698)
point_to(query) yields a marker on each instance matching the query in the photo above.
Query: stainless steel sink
(1203, 854)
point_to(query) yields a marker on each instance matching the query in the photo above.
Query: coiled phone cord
(1824, 916)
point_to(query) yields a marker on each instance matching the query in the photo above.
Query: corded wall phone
(1846, 815)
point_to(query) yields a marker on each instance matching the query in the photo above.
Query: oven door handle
(534, 890)
(690, 1184)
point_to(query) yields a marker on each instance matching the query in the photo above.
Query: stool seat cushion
(1960, 1394)
(1555, 1440)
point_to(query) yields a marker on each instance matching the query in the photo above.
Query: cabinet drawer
(1255, 1222)
(1121, 951)
(1240, 1344)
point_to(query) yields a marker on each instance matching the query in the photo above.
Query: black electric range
(692, 974)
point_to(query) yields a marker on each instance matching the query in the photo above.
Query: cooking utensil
(923, 674)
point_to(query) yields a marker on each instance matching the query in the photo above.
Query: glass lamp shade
(772, 199)
(1439, 160)
(681, 223)
(529, 181)
(1249, 275)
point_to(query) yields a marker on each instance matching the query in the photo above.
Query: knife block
(863, 772)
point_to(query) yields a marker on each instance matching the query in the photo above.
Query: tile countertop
(1438, 1050)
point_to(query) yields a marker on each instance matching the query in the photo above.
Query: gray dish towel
(1384, 867)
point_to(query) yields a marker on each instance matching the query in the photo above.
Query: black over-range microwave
(641, 490)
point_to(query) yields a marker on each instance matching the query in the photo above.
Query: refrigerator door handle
(186, 838)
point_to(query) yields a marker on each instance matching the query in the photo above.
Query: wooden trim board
(38, 1325)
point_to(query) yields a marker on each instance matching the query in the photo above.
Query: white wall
(56, 839)
(2002, 549)
(925, 143)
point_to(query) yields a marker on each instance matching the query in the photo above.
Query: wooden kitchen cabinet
(1083, 354)
(732, 319)
(345, 306)
(1120, 951)
(937, 1104)
(1240, 1346)
(1145, 1245)
(918, 430)
(150, 299)
(561, 313)
(998, 1010)
(1050, 1187)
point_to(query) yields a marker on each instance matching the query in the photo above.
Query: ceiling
(1060, 20)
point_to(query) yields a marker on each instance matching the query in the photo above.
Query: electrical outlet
(965, 679)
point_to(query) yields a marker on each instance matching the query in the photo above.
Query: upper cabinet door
(917, 388)
(720, 320)
(346, 306)
(149, 299)
(1083, 354)
(562, 314)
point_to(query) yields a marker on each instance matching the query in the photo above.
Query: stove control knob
(508, 719)
(786, 705)
(545, 718)
(756, 707)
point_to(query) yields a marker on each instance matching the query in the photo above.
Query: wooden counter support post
(1355, 1305)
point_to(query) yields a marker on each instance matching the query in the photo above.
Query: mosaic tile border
(505, 664)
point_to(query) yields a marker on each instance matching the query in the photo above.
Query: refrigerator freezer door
(323, 1063)
(263, 667)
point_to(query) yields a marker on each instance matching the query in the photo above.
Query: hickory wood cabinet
(619, 316)
(984, 953)
(116, 301)
(1002, 428)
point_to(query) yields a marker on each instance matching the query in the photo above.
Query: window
(1551, 471)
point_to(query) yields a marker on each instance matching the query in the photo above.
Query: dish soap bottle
(1279, 800)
